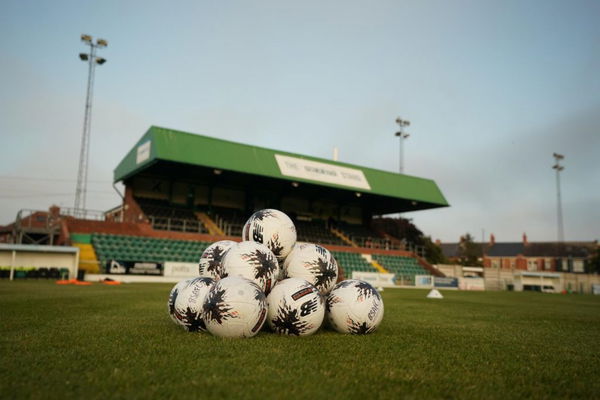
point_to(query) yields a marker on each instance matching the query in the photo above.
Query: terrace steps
(213, 229)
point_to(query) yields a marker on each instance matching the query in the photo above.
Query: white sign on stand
(181, 270)
(375, 279)
(322, 172)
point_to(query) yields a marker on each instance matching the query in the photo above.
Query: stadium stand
(351, 262)
(170, 217)
(132, 248)
(405, 268)
(316, 231)
(230, 221)
(363, 236)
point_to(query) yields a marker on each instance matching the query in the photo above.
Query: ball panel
(210, 264)
(234, 307)
(253, 261)
(295, 308)
(189, 303)
(272, 228)
(355, 307)
(176, 317)
(313, 263)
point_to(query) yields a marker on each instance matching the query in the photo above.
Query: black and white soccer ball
(295, 308)
(173, 295)
(355, 307)
(313, 263)
(210, 264)
(188, 305)
(234, 307)
(253, 261)
(272, 228)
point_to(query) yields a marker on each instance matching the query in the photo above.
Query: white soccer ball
(313, 263)
(253, 261)
(234, 307)
(295, 308)
(354, 306)
(188, 305)
(173, 295)
(272, 228)
(211, 259)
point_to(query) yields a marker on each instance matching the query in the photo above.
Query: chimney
(525, 242)
(54, 211)
(438, 242)
(492, 239)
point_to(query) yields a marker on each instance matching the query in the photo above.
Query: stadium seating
(351, 262)
(316, 232)
(170, 217)
(405, 268)
(132, 248)
(230, 221)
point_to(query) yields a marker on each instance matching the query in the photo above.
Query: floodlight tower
(403, 136)
(558, 168)
(92, 60)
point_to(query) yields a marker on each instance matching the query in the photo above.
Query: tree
(403, 228)
(594, 262)
(469, 252)
(433, 252)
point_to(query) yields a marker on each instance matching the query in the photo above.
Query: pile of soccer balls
(269, 277)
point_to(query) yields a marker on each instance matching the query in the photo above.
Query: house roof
(531, 249)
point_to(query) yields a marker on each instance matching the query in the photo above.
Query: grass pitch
(118, 342)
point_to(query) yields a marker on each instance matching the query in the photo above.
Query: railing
(94, 215)
(176, 224)
(387, 244)
(229, 228)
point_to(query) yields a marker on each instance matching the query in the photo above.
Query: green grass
(118, 342)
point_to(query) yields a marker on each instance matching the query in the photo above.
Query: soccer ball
(355, 307)
(295, 308)
(234, 307)
(313, 263)
(188, 304)
(173, 295)
(272, 228)
(211, 259)
(253, 261)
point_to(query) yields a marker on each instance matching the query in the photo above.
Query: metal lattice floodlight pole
(82, 174)
(403, 136)
(559, 215)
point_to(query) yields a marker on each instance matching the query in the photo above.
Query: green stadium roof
(160, 145)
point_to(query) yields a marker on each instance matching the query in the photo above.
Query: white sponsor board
(424, 281)
(375, 279)
(322, 172)
(471, 284)
(143, 152)
(181, 270)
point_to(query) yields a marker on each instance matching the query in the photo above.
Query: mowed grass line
(118, 342)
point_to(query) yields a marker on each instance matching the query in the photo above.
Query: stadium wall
(39, 256)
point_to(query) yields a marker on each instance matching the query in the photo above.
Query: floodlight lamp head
(558, 156)
(402, 122)
(86, 38)
(83, 56)
(101, 43)
(100, 60)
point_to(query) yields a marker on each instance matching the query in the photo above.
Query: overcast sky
(492, 89)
